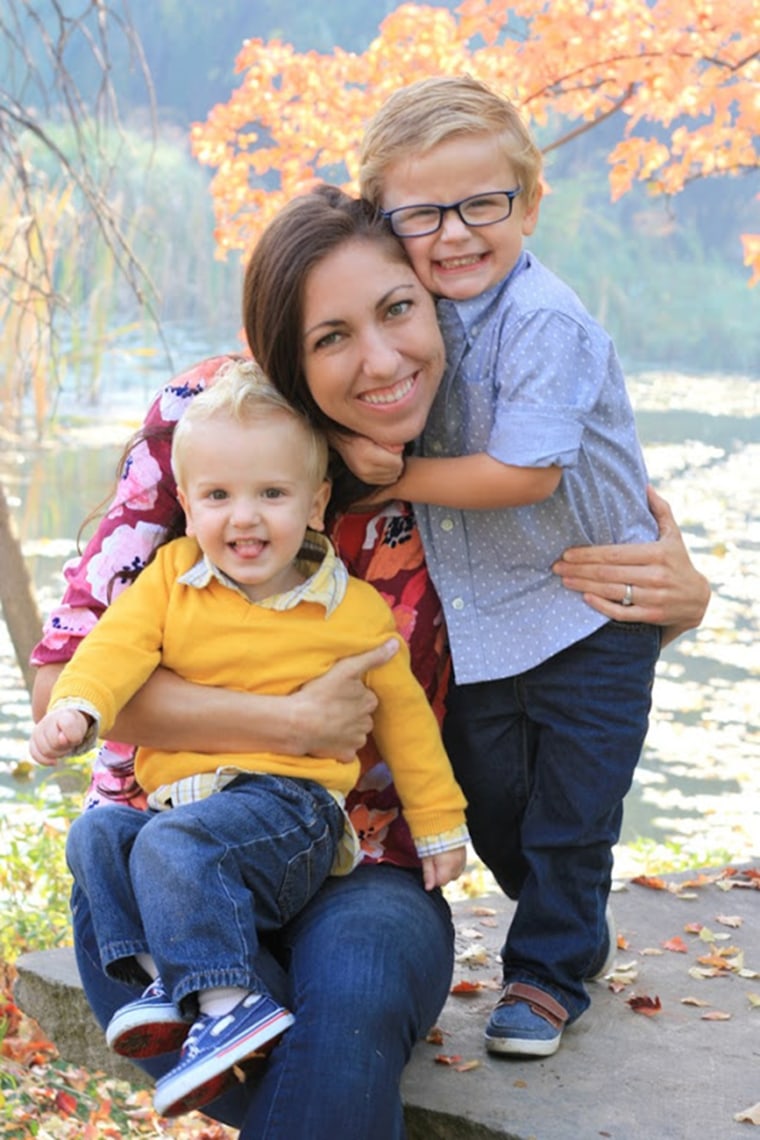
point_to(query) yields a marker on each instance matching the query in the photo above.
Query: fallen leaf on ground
(466, 1066)
(483, 911)
(435, 1036)
(729, 920)
(716, 1015)
(754, 1000)
(647, 1005)
(749, 1115)
(677, 945)
(693, 1001)
(654, 884)
(446, 1059)
(651, 952)
(466, 988)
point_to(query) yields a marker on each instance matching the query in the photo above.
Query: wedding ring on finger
(627, 598)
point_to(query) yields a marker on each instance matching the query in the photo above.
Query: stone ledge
(617, 1074)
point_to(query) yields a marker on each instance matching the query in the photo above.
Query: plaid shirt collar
(325, 584)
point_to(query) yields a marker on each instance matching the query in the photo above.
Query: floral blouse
(383, 547)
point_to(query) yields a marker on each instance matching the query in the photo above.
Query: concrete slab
(618, 1074)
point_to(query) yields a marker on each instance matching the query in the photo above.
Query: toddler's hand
(58, 734)
(437, 870)
(371, 462)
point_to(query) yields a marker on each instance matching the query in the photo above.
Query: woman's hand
(373, 463)
(666, 587)
(332, 715)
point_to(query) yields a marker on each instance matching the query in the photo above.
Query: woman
(338, 320)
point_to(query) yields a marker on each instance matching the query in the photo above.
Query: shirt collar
(325, 583)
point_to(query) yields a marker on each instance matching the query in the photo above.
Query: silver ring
(627, 598)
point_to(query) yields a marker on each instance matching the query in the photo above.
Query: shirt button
(447, 525)
(458, 604)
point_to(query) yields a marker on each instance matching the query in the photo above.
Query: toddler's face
(460, 261)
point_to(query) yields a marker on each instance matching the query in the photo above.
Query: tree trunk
(17, 599)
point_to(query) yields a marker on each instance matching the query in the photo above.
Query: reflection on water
(698, 782)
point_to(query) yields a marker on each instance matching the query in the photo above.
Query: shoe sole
(202, 1083)
(131, 1036)
(522, 1047)
(143, 1041)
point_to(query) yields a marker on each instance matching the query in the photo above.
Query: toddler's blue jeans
(197, 884)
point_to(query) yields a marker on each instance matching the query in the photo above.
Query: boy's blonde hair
(431, 111)
(242, 392)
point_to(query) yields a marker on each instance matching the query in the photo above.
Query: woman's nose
(379, 355)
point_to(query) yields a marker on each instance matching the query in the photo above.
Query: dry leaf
(483, 911)
(716, 1015)
(445, 1059)
(646, 1005)
(467, 1066)
(651, 952)
(693, 927)
(693, 1001)
(729, 920)
(650, 881)
(677, 945)
(435, 1036)
(754, 1000)
(749, 1115)
(465, 988)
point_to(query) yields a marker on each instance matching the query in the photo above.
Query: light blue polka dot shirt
(532, 380)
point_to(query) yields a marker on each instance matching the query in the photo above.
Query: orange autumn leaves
(685, 74)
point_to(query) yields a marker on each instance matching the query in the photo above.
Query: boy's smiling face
(460, 261)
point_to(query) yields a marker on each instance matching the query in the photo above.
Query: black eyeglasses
(426, 218)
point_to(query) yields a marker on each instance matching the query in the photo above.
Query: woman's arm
(668, 590)
(330, 716)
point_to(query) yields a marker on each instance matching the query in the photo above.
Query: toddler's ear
(319, 505)
(183, 503)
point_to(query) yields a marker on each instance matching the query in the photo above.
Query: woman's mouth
(380, 397)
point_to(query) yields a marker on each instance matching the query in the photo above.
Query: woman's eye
(398, 308)
(328, 340)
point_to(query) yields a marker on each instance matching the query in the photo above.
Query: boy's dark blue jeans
(545, 759)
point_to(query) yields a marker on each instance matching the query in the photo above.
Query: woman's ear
(319, 505)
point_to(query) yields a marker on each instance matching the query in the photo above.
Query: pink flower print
(138, 484)
(124, 552)
(174, 398)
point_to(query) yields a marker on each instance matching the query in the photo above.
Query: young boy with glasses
(548, 710)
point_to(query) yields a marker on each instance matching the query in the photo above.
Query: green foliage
(34, 880)
(666, 294)
(660, 858)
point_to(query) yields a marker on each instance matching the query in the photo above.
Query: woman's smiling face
(372, 350)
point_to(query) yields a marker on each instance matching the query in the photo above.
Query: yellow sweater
(215, 636)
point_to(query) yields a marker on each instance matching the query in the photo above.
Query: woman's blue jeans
(195, 886)
(366, 967)
(545, 759)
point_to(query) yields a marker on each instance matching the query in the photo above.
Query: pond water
(697, 786)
